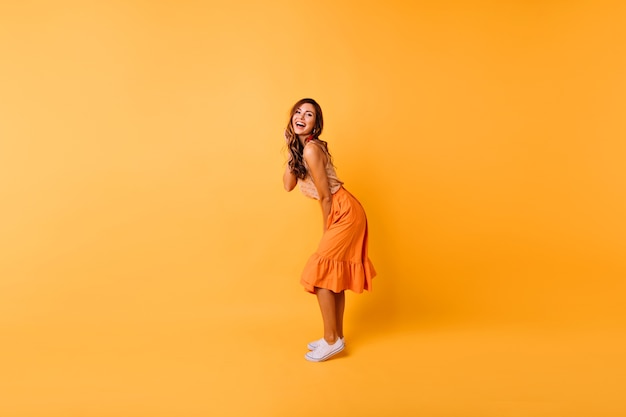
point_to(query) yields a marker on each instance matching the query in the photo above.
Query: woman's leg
(340, 305)
(328, 304)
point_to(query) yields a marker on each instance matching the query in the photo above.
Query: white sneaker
(313, 345)
(324, 351)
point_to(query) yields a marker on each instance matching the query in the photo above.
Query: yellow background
(149, 257)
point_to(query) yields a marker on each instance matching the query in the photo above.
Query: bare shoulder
(314, 152)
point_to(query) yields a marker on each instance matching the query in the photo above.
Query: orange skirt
(340, 262)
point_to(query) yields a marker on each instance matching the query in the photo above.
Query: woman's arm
(289, 179)
(316, 160)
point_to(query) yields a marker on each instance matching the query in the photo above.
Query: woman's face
(303, 120)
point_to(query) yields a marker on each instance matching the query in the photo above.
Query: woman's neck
(304, 139)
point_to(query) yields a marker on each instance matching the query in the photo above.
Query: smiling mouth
(300, 125)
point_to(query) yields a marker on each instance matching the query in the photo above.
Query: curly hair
(295, 147)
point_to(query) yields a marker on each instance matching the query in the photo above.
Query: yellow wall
(141, 160)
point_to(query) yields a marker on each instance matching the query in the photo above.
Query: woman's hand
(287, 137)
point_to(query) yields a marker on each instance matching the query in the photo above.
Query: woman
(340, 262)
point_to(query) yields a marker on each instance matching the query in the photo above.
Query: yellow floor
(248, 361)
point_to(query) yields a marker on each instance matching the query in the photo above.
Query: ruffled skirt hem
(336, 275)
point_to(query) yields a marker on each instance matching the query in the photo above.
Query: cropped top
(308, 188)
